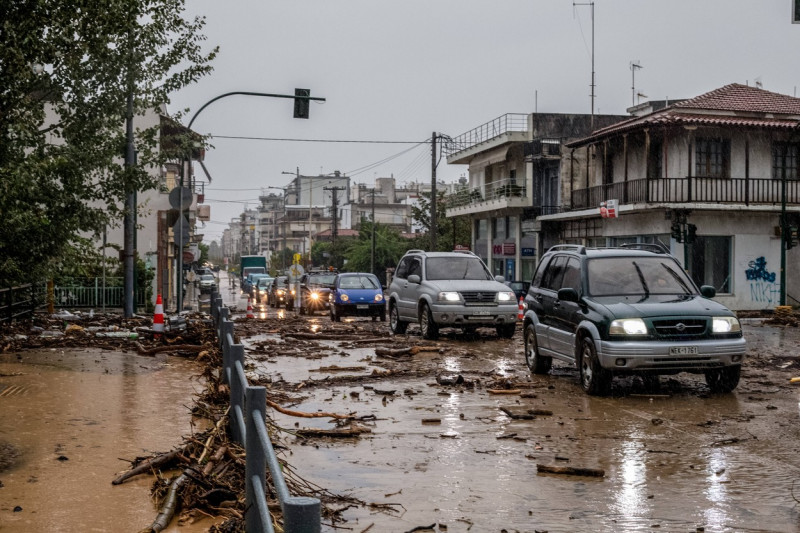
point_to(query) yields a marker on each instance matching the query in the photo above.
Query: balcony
(505, 128)
(689, 190)
(500, 194)
(542, 149)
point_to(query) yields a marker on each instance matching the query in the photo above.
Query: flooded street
(462, 457)
(76, 419)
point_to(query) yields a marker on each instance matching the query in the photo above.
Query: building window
(712, 158)
(481, 231)
(512, 176)
(784, 161)
(655, 162)
(512, 228)
(499, 225)
(710, 263)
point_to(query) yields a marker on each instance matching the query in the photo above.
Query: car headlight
(628, 326)
(344, 298)
(280, 292)
(725, 324)
(506, 296)
(449, 296)
(315, 296)
(379, 297)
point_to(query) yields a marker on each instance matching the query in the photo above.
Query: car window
(572, 275)
(402, 268)
(207, 276)
(637, 276)
(415, 267)
(537, 277)
(322, 280)
(467, 267)
(359, 282)
(555, 273)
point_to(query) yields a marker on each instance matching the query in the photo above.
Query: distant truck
(252, 264)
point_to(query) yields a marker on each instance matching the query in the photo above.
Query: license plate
(683, 350)
(481, 313)
(362, 307)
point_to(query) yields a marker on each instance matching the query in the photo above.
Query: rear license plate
(683, 350)
(481, 313)
(362, 307)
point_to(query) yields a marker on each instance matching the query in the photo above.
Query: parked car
(261, 290)
(208, 283)
(315, 290)
(449, 289)
(628, 310)
(520, 288)
(357, 294)
(279, 292)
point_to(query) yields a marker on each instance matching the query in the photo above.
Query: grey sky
(398, 71)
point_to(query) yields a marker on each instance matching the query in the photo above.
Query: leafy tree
(389, 248)
(66, 70)
(450, 231)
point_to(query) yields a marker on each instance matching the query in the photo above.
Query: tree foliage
(389, 248)
(450, 231)
(66, 69)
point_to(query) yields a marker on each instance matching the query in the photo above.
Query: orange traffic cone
(521, 311)
(158, 318)
(249, 309)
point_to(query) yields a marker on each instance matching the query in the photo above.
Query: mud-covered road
(454, 435)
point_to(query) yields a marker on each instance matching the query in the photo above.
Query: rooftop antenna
(634, 65)
(590, 4)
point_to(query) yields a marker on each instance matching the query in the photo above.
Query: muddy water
(675, 458)
(77, 417)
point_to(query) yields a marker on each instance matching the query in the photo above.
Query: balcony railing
(491, 191)
(690, 190)
(510, 122)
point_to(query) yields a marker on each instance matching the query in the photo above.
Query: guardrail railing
(301, 514)
(17, 302)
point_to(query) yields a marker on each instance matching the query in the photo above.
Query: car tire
(538, 364)
(427, 326)
(506, 331)
(595, 380)
(723, 379)
(395, 324)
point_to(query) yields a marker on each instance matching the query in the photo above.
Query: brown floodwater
(674, 459)
(77, 417)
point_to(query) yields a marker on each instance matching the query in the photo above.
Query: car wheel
(506, 331)
(427, 326)
(723, 379)
(395, 324)
(537, 364)
(595, 379)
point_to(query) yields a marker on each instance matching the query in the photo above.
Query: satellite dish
(180, 197)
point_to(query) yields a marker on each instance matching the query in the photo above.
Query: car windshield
(322, 280)
(467, 267)
(358, 282)
(207, 277)
(620, 276)
(264, 282)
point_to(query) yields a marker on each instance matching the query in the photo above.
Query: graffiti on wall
(763, 286)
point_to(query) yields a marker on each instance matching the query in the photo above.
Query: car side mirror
(708, 291)
(568, 294)
(500, 278)
(414, 278)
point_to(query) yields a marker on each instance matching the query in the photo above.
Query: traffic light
(301, 104)
(677, 234)
(791, 236)
(691, 234)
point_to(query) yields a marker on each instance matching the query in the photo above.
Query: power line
(288, 139)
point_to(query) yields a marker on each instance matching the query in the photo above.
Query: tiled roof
(733, 105)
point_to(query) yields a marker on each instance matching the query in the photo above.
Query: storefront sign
(528, 252)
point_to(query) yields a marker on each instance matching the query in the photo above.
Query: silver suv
(449, 289)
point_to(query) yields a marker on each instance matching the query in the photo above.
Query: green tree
(389, 248)
(66, 69)
(451, 231)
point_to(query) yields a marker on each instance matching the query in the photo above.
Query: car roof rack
(570, 247)
(656, 247)
(415, 251)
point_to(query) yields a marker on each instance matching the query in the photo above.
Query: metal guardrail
(301, 514)
(496, 190)
(17, 302)
(508, 123)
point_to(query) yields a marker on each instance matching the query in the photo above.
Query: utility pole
(334, 208)
(372, 254)
(129, 224)
(433, 228)
(591, 5)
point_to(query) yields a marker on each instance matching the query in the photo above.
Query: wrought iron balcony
(508, 123)
(496, 190)
(747, 191)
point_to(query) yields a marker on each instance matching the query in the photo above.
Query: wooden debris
(355, 431)
(570, 470)
(303, 414)
(503, 391)
(540, 412)
(148, 465)
(516, 414)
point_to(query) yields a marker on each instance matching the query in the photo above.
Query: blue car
(357, 294)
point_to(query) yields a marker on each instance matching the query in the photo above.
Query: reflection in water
(504, 366)
(315, 328)
(715, 491)
(452, 364)
(630, 499)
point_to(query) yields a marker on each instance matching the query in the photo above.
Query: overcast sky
(394, 72)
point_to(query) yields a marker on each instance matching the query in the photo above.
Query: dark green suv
(627, 310)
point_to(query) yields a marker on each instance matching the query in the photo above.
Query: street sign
(178, 200)
(181, 231)
(295, 272)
